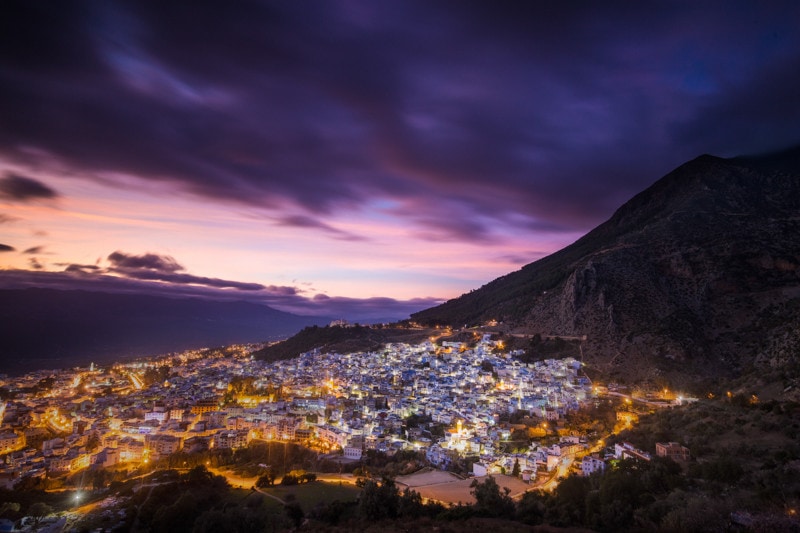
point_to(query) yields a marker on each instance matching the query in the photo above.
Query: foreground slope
(697, 276)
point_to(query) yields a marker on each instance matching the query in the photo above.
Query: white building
(352, 452)
(590, 465)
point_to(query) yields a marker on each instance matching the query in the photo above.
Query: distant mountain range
(50, 328)
(697, 277)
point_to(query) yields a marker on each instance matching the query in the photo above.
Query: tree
(410, 504)
(379, 500)
(569, 502)
(198, 476)
(289, 479)
(515, 471)
(295, 513)
(532, 507)
(38, 511)
(9, 507)
(490, 501)
(178, 515)
(266, 480)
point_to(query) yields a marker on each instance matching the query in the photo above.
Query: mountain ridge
(683, 278)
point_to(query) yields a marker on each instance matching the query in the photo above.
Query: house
(591, 464)
(480, 469)
(231, 438)
(11, 441)
(162, 445)
(352, 452)
(673, 450)
(626, 450)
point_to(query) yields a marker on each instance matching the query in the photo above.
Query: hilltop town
(462, 398)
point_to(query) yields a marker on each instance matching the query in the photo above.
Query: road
(660, 404)
(560, 472)
(338, 478)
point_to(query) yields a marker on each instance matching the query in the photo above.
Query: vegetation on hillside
(744, 474)
(342, 339)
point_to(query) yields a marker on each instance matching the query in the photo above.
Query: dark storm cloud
(21, 188)
(752, 129)
(162, 263)
(285, 298)
(552, 113)
(155, 267)
(6, 248)
(188, 279)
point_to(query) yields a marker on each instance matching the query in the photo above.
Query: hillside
(340, 339)
(696, 277)
(46, 328)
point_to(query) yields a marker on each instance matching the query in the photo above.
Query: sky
(359, 158)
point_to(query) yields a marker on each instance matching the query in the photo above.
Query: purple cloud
(161, 263)
(23, 189)
(303, 221)
(155, 267)
(188, 279)
(538, 115)
(368, 308)
(80, 269)
(6, 248)
(290, 299)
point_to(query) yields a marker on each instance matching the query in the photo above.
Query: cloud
(7, 219)
(6, 248)
(162, 263)
(522, 259)
(163, 268)
(188, 279)
(476, 115)
(289, 299)
(304, 221)
(81, 269)
(35, 264)
(34, 250)
(23, 189)
(715, 129)
(379, 308)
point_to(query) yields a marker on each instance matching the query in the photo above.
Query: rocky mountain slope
(698, 276)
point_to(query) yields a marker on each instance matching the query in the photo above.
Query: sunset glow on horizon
(400, 154)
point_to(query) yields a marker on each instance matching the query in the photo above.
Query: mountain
(342, 339)
(695, 278)
(49, 328)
